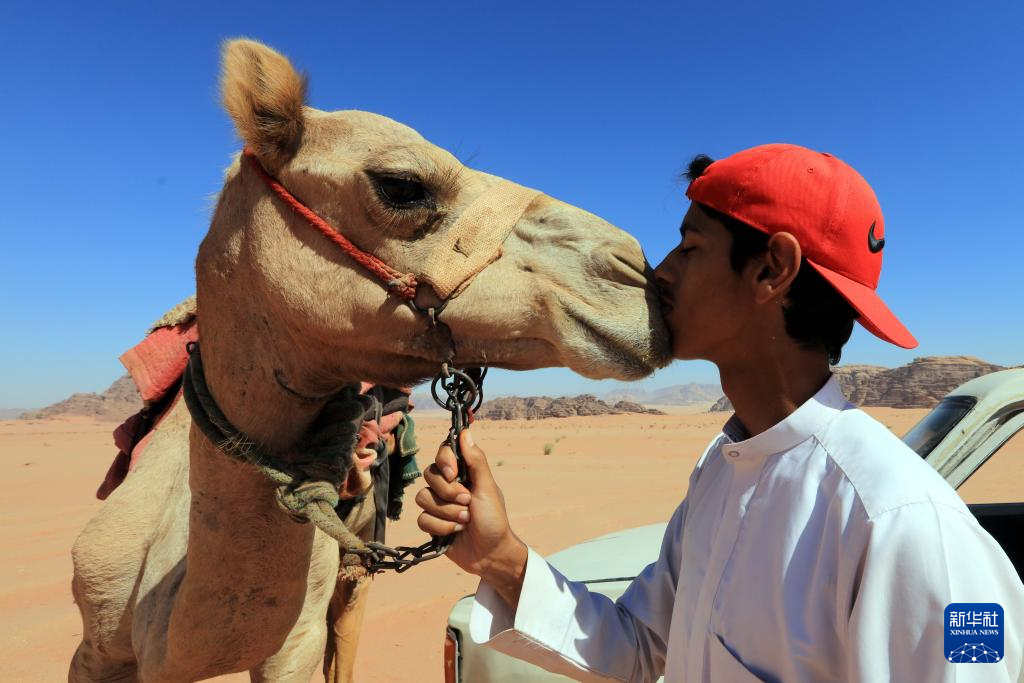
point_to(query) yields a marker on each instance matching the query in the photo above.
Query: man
(812, 545)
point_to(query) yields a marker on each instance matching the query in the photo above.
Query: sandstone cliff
(674, 395)
(920, 384)
(119, 401)
(539, 407)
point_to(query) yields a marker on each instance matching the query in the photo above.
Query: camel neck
(242, 547)
(253, 391)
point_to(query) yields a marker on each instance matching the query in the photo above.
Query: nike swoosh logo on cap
(875, 245)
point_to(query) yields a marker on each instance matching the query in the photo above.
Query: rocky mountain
(722, 405)
(919, 384)
(119, 401)
(675, 395)
(539, 407)
(11, 413)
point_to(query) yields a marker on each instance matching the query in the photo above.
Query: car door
(985, 465)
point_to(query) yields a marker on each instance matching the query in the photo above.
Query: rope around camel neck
(308, 490)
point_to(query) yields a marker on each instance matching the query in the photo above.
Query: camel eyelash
(408, 222)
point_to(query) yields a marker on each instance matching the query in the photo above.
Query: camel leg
(348, 603)
(302, 651)
(105, 653)
(297, 660)
(344, 623)
(90, 666)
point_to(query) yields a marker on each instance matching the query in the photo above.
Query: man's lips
(666, 301)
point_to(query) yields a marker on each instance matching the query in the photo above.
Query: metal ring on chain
(455, 384)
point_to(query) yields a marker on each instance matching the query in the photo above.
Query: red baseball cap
(825, 204)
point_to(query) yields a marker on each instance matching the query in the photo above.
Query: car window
(926, 434)
(1001, 478)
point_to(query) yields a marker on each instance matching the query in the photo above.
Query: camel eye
(401, 192)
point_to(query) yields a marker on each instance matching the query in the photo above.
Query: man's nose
(663, 275)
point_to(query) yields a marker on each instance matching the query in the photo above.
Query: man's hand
(485, 544)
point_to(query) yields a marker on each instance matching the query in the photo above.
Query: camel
(191, 569)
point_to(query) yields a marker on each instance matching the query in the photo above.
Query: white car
(956, 438)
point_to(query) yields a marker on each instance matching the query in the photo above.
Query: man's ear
(264, 95)
(777, 268)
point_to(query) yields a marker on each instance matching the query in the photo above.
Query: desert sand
(601, 474)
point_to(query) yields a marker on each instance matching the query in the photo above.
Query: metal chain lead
(463, 393)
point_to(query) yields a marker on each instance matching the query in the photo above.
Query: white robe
(822, 549)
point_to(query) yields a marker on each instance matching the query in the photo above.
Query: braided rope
(402, 284)
(308, 490)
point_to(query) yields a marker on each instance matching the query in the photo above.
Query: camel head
(565, 288)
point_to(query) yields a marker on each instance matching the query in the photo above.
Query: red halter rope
(401, 284)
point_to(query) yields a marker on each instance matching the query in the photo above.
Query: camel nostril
(628, 265)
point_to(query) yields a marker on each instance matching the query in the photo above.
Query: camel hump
(179, 315)
(264, 95)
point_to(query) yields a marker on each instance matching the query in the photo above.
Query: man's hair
(815, 314)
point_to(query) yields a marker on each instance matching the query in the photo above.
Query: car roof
(1005, 386)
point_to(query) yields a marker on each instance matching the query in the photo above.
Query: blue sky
(114, 142)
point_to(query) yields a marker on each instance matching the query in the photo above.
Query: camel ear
(264, 96)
